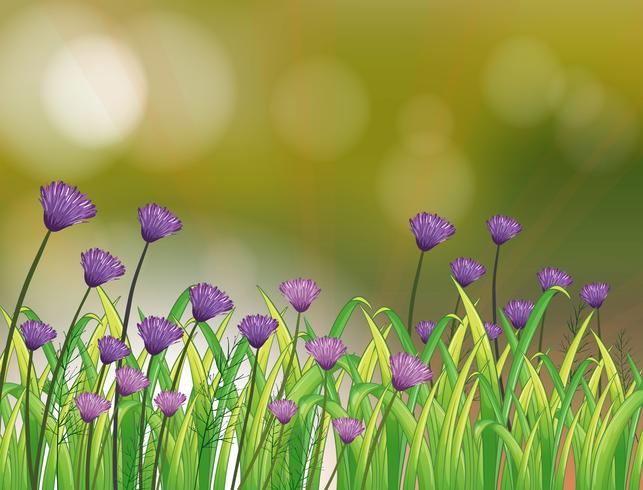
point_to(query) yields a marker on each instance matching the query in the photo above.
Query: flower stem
(319, 439)
(181, 360)
(272, 466)
(494, 316)
(88, 458)
(414, 290)
(339, 460)
(291, 359)
(141, 427)
(371, 450)
(16, 311)
(54, 377)
(600, 336)
(158, 453)
(30, 466)
(242, 436)
(128, 309)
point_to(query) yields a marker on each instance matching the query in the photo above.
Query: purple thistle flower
(408, 371)
(493, 330)
(300, 293)
(595, 293)
(158, 333)
(100, 267)
(326, 351)
(169, 402)
(91, 405)
(466, 271)
(430, 230)
(130, 381)
(208, 301)
(550, 276)
(518, 311)
(283, 410)
(257, 329)
(503, 228)
(64, 206)
(157, 222)
(424, 329)
(112, 349)
(348, 428)
(36, 334)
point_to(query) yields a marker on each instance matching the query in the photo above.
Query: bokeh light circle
(523, 81)
(425, 124)
(320, 108)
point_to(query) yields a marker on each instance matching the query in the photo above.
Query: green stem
(454, 322)
(242, 436)
(128, 309)
(600, 336)
(88, 458)
(339, 460)
(371, 450)
(141, 428)
(319, 439)
(16, 311)
(181, 360)
(414, 290)
(101, 450)
(158, 453)
(101, 375)
(272, 466)
(291, 359)
(32, 471)
(54, 377)
(542, 331)
(494, 316)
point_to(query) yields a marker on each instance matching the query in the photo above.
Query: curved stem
(128, 309)
(54, 377)
(339, 460)
(181, 359)
(16, 311)
(272, 466)
(141, 427)
(494, 316)
(32, 471)
(371, 450)
(409, 324)
(319, 438)
(158, 453)
(245, 419)
(88, 458)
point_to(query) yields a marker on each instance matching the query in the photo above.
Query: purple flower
(595, 293)
(208, 301)
(424, 329)
(518, 312)
(130, 381)
(493, 330)
(157, 222)
(430, 230)
(550, 276)
(36, 334)
(300, 293)
(408, 371)
(100, 267)
(326, 351)
(348, 428)
(503, 228)
(158, 333)
(112, 349)
(169, 402)
(466, 271)
(257, 329)
(65, 206)
(91, 405)
(283, 410)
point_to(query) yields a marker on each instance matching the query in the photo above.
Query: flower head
(157, 222)
(100, 267)
(283, 410)
(408, 371)
(208, 301)
(430, 230)
(424, 329)
(112, 349)
(36, 334)
(503, 228)
(158, 333)
(64, 206)
(130, 381)
(493, 330)
(300, 293)
(326, 351)
(91, 405)
(595, 293)
(466, 271)
(169, 402)
(550, 276)
(257, 329)
(518, 311)
(348, 428)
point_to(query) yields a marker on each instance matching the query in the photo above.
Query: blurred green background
(297, 138)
